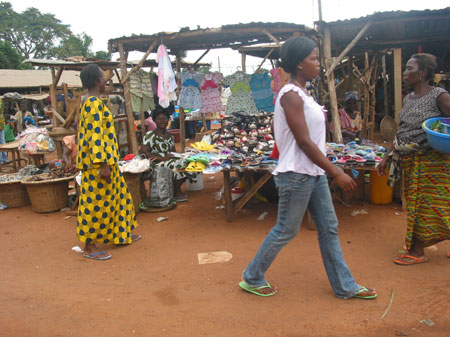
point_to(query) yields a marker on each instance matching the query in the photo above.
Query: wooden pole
(198, 60)
(133, 147)
(141, 62)
(337, 133)
(182, 130)
(53, 96)
(397, 81)
(243, 56)
(373, 99)
(349, 47)
(385, 93)
(273, 38)
(265, 58)
(366, 96)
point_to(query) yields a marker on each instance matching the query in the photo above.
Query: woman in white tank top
(299, 126)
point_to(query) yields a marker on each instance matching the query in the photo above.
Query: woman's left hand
(105, 173)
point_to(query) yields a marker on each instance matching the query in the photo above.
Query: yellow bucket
(380, 192)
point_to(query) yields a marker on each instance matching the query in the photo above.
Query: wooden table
(13, 147)
(232, 207)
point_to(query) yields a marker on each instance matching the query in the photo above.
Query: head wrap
(351, 95)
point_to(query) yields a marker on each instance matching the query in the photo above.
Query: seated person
(9, 129)
(351, 121)
(69, 144)
(158, 146)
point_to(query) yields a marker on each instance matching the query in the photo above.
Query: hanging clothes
(241, 98)
(210, 93)
(141, 91)
(261, 92)
(279, 79)
(166, 78)
(190, 97)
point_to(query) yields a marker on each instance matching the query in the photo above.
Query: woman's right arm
(295, 117)
(145, 149)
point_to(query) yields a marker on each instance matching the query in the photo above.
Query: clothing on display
(279, 79)
(210, 93)
(241, 98)
(262, 94)
(166, 78)
(190, 97)
(141, 91)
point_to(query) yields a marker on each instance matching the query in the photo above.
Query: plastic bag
(161, 187)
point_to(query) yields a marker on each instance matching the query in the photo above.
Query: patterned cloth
(190, 97)
(141, 91)
(262, 94)
(106, 212)
(279, 79)
(241, 98)
(427, 189)
(210, 93)
(162, 147)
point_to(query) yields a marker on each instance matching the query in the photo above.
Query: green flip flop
(364, 297)
(254, 290)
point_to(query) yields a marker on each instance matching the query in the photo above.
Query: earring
(299, 67)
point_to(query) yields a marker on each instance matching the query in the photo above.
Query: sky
(104, 20)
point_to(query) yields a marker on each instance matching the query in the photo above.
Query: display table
(232, 207)
(13, 147)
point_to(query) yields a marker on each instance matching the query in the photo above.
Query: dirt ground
(156, 287)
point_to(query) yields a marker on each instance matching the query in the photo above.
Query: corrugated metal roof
(10, 78)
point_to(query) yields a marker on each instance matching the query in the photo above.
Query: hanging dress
(210, 93)
(166, 78)
(190, 97)
(241, 98)
(106, 212)
(261, 92)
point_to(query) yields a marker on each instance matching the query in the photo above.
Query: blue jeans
(3, 155)
(296, 193)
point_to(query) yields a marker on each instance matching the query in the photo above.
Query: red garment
(129, 157)
(275, 153)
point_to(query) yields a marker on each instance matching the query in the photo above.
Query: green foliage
(103, 55)
(9, 57)
(74, 45)
(204, 69)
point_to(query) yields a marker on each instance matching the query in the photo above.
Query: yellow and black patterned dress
(105, 213)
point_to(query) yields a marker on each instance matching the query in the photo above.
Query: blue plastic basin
(438, 141)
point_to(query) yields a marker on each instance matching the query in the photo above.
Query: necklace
(296, 83)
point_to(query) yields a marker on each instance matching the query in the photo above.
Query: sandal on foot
(135, 237)
(366, 293)
(254, 290)
(95, 256)
(415, 260)
(448, 254)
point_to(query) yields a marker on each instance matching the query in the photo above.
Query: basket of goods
(438, 133)
(49, 192)
(12, 192)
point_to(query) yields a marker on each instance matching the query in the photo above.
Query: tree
(31, 33)
(74, 45)
(102, 55)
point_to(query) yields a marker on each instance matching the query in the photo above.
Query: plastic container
(197, 186)
(438, 141)
(445, 122)
(236, 193)
(380, 192)
(176, 134)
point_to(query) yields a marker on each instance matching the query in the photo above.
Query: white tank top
(292, 158)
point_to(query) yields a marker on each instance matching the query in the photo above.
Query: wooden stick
(141, 62)
(273, 38)
(133, 148)
(265, 58)
(58, 75)
(198, 60)
(349, 47)
(389, 305)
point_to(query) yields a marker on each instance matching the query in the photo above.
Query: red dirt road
(155, 287)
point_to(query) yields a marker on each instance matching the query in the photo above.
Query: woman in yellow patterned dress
(106, 214)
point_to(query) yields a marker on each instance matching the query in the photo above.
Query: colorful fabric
(261, 92)
(106, 212)
(190, 97)
(241, 98)
(427, 190)
(141, 91)
(163, 146)
(279, 79)
(414, 112)
(210, 93)
(166, 78)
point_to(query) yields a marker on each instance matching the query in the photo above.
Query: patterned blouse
(415, 111)
(159, 145)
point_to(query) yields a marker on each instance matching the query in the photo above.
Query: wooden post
(373, 98)
(141, 62)
(143, 131)
(133, 147)
(397, 82)
(366, 95)
(337, 133)
(198, 60)
(265, 58)
(243, 56)
(385, 93)
(182, 129)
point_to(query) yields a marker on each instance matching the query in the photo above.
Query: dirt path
(156, 287)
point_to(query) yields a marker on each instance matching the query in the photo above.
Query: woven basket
(48, 195)
(14, 194)
(133, 181)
